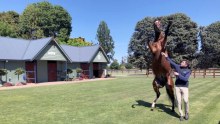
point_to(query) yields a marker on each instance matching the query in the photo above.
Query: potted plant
(19, 71)
(78, 71)
(69, 71)
(2, 73)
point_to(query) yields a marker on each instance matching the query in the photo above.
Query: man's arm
(172, 63)
(184, 78)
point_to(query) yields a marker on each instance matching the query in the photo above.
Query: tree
(114, 64)
(122, 67)
(182, 39)
(139, 55)
(128, 66)
(9, 24)
(44, 20)
(78, 42)
(10, 17)
(105, 39)
(210, 38)
(7, 30)
(181, 42)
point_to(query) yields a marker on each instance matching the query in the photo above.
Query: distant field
(107, 102)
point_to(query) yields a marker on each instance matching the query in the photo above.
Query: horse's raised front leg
(156, 89)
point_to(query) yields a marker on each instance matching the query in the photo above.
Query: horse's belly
(160, 68)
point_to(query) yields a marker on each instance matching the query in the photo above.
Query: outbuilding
(44, 60)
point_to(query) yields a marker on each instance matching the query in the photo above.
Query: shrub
(69, 71)
(78, 70)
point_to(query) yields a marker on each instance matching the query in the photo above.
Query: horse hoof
(172, 110)
(152, 109)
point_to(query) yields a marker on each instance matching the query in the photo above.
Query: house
(91, 59)
(44, 60)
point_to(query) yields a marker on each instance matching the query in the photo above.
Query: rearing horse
(160, 66)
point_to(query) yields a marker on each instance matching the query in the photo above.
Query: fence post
(213, 73)
(194, 73)
(204, 73)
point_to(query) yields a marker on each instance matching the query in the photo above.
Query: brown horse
(160, 66)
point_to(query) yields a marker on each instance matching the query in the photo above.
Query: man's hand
(176, 73)
(164, 54)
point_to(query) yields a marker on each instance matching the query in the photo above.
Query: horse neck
(156, 54)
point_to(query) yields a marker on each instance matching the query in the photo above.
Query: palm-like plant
(19, 71)
(2, 73)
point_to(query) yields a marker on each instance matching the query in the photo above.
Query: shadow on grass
(159, 107)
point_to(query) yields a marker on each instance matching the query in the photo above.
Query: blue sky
(121, 16)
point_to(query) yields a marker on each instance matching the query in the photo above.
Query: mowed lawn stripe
(103, 102)
(206, 103)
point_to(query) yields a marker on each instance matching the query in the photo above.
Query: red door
(30, 68)
(96, 70)
(85, 68)
(52, 71)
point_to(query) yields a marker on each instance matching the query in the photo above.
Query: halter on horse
(161, 67)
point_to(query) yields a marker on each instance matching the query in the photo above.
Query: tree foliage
(139, 55)
(78, 42)
(105, 39)
(44, 20)
(128, 66)
(181, 42)
(114, 65)
(7, 30)
(210, 52)
(9, 24)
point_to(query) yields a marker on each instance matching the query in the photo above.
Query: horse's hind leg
(156, 89)
(170, 91)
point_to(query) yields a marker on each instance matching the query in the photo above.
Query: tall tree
(9, 24)
(105, 39)
(139, 55)
(210, 38)
(10, 17)
(7, 30)
(43, 20)
(182, 39)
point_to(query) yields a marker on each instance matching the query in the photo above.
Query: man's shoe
(181, 118)
(186, 116)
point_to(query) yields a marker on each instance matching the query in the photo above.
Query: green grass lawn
(107, 102)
